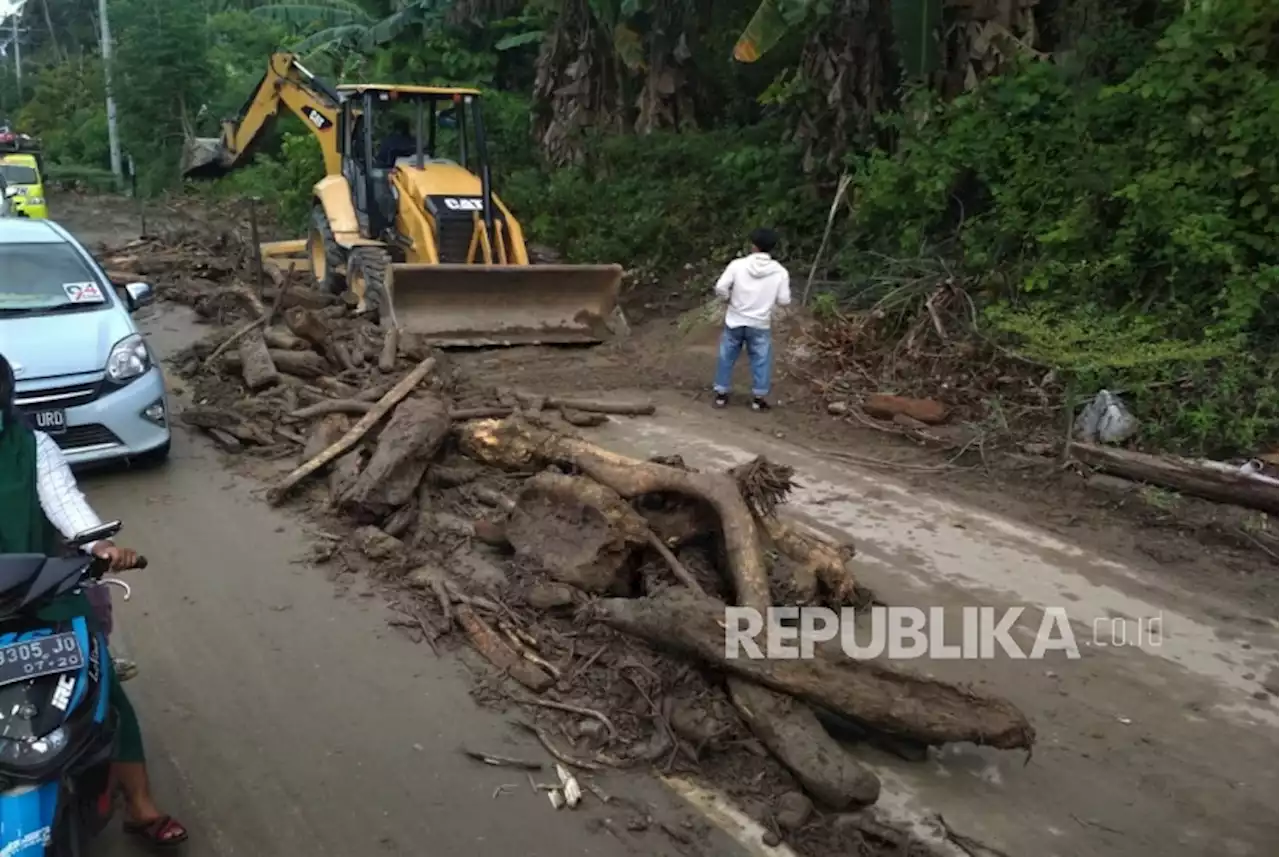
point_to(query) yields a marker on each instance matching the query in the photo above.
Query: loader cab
(447, 159)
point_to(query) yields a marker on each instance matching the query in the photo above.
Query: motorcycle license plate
(35, 658)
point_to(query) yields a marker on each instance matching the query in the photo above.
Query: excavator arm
(288, 84)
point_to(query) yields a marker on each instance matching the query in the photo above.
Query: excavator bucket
(458, 306)
(203, 157)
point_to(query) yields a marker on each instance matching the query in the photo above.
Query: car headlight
(129, 358)
(29, 753)
(35, 200)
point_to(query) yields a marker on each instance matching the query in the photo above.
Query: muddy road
(284, 720)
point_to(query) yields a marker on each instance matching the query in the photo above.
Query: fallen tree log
(790, 731)
(227, 422)
(284, 340)
(303, 364)
(578, 530)
(405, 447)
(306, 365)
(870, 692)
(601, 406)
(487, 642)
(1183, 475)
(331, 406)
(325, 432)
(390, 350)
(393, 397)
(821, 565)
(257, 366)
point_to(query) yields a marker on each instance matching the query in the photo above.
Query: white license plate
(50, 420)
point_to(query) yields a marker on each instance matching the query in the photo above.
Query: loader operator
(398, 144)
(39, 499)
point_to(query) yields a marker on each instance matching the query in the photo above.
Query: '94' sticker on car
(83, 293)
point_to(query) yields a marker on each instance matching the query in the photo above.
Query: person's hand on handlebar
(120, 558)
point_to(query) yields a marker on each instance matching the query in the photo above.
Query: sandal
(124, 669)
(162, 832)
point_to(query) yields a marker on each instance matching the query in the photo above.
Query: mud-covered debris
(377, 545)
(549, 596)
(792, 810)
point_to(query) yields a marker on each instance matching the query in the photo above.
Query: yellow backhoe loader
(416, 235)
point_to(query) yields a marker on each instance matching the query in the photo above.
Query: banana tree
(914, 25)
(332, 25)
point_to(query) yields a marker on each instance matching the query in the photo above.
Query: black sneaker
(720, 401)
(759, 404)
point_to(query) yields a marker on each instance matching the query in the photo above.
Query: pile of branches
(551, 556)
(915, 334)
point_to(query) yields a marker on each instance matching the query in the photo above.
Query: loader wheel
(369, 277)
(325, 255)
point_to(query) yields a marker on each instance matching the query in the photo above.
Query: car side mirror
(139, 295)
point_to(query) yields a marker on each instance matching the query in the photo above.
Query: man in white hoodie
(753, 285)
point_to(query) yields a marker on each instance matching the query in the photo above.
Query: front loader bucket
(461, 306)
(203, 157)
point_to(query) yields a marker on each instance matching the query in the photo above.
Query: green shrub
(1123, 233)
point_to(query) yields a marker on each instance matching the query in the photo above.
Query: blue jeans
(759, 343)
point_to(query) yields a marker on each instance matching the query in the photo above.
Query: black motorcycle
(57, 725)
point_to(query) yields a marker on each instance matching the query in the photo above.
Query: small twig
(251, 326)
(442, 596)
(501, 761)
(588, 663)
(556, 753)
(677, 567)
(596, 790)
(572, 709)
(968, 844)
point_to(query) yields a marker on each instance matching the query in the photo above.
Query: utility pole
(17, 51)
(113, 135)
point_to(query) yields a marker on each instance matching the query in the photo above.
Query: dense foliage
(1101, 175)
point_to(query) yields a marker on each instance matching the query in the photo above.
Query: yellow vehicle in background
(24, 185)
(408, 221)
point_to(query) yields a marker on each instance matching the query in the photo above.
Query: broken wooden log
(284, 340)
(487, 642)
(303, 364)
(580, 531)
(819, 564)
(602, 406)
(324, 433)
(390, 350)
(870, 692)
(228, 423)
(1184, 475)
(355, 433)
(406, 445)
(331, 406)
(256, 364)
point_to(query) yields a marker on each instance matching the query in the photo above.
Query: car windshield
(18, 174)
(36, 278)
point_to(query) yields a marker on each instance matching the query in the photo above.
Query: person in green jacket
(40, 507)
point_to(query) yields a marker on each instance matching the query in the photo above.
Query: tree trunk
(581, 532)
(325, 432)
(405, 447)
(1180, 474)
(870, 692)
(256, 363)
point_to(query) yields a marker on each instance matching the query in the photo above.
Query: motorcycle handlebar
(100, 566)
